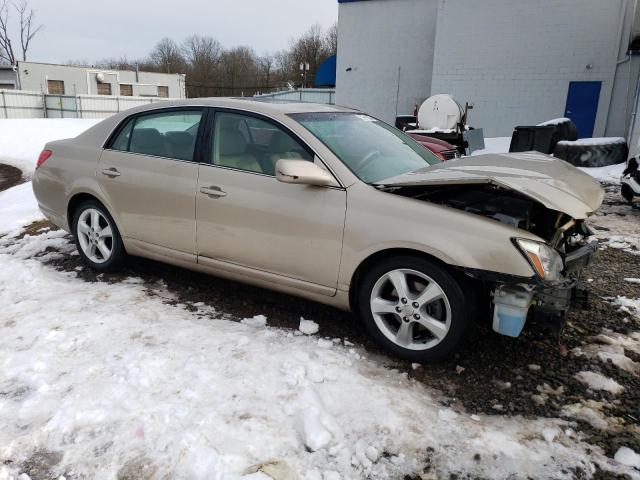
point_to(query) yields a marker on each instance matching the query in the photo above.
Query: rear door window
(165, 134)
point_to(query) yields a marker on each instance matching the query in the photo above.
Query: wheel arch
(77, 198)
(380, 255)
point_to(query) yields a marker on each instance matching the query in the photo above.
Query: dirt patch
(10, 176)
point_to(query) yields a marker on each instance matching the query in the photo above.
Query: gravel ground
(532, 375)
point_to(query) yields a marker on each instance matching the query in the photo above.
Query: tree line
(213, 70)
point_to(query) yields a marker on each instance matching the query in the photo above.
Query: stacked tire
(592, 152)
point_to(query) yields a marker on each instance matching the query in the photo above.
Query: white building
(72, 80)
(520, 62)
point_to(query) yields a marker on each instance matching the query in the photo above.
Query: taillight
(44, 154)
(441, 156)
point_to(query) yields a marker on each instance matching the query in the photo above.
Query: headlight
(544, 260)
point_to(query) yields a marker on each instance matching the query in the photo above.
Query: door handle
(213, 191)
(111, 172)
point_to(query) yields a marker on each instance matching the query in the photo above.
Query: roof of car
(259, 106)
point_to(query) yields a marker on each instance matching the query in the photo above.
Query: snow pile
(111, 380)
(610, 347)
(627, 305)
(608, 174)
(554, 122)
(627, 457)
(19, 207)
(588, 411)
(22, 140)
(597, 381)
(597, 141)
(308, 327)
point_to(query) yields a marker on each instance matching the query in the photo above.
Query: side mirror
(302, 172)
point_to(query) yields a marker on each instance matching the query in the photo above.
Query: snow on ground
(22, 140)
(108, 378)
(597, 381)
(494, 145)
(19, 208)
(628, 457)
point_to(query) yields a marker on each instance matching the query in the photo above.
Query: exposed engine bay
(506, 206)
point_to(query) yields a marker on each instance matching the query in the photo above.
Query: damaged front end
(558, 261)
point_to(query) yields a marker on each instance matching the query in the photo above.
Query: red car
(440, 148)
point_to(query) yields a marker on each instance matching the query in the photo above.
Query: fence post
(118, 104)
(4, 105)
(44, 105)
(80, 106)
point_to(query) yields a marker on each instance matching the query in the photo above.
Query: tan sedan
(329, 204)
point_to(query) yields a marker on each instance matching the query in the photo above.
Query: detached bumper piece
(546, 303)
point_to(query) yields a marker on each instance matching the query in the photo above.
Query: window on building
(104, 89)
(170, 134)
(55, 87)
(7, 86)
(126, 90)
(163, 91)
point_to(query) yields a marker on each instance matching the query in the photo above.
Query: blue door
(582, 106)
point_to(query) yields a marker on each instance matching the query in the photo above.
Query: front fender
(378, 221)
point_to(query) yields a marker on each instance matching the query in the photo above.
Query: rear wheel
(413, 308)
(97, 238)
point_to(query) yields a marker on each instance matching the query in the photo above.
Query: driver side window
(249, 143)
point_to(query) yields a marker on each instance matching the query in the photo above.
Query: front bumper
(515, 299)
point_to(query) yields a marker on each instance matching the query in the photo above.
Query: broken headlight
(544, 260)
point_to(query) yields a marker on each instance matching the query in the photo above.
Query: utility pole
(304, 68)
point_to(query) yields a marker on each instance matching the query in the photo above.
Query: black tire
(459, 307)
(627, 193)
(592, 155)
(118, 253)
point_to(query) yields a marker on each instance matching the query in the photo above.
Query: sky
(89, 30)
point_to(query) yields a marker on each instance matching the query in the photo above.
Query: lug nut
(406, 319)
(416, 316)
(404, 300)
(398, 309)
(415, 304)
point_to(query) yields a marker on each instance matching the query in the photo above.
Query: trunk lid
(554, 183)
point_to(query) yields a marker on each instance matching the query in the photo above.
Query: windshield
(372, 149)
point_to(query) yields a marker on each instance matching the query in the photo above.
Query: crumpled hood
(554, 183)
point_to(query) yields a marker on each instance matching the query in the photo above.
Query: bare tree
(202, 54)
(27, 26)
(168, 57)
(6, 47)
(331, 40)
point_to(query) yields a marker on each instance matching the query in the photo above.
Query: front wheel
(413, 308)
(97, 237)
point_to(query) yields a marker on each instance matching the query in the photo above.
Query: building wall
(79, 80)
(7, 79)
(388, 46)
(514, 59)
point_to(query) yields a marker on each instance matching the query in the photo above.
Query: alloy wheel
(95, 235)
(410, 309)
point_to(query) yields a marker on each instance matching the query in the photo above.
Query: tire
(627, 193)
(401, 327)
(591, 155)
(91, 238)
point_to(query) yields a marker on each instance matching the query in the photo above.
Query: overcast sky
(90, 30)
